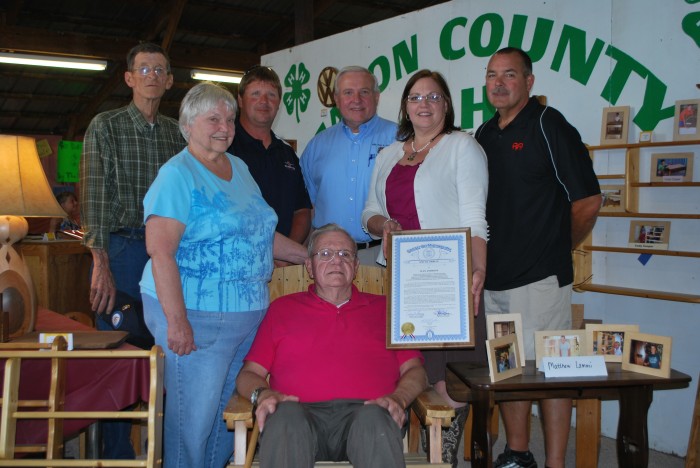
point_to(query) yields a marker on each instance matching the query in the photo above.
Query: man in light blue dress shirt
(337, 163)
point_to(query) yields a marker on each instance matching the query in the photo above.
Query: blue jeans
(127, 258)
(199, 385)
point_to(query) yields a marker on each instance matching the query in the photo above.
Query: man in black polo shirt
(272, 162)
(543, 200)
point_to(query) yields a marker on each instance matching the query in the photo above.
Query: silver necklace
(413, 155)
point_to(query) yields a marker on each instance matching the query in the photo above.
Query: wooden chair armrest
(238, 409)
(431, 408)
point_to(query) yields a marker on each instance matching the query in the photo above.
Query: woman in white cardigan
(433, 177)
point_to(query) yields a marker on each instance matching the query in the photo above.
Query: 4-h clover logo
(297, 99)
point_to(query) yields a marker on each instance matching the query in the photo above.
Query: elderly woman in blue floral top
(211, 238)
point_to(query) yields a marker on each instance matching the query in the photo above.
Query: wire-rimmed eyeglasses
(146, 70)
(326, 255)
(431, 98)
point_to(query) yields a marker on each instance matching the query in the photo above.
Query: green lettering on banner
(409, 58)
(580, 68)
(495, 39)
(470, 107)
(691, 26)
(446, 50)
(540, 38)
(382, 63)
(651, 112)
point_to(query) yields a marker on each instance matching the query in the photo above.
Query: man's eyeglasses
(432, 98)
(146, 70)
(326, 255)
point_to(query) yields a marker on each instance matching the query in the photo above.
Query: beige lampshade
(24, 189)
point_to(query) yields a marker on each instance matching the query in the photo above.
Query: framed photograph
(559, 343)
(504, 359)
(430, 303)
(685, 120)
(498, 325)
(671, 167)
(613, 198)
(652, 235)
(646, 137)
(615, 125)
(648, 354)
(608, 340)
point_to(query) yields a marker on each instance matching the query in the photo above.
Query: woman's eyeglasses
(431, 98)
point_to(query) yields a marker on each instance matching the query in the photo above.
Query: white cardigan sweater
(450, 187)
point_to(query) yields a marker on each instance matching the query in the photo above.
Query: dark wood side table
(60, 271)
(470, 382)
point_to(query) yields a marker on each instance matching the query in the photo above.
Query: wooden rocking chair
(428, 409)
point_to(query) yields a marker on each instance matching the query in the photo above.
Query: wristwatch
(255, 394)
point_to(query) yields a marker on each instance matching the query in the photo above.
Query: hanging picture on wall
(498, 325)
(613, 198)
(615, 125)
(652, 235)
(608, 340)
(648, 354)
(685, 121)
(672, 167)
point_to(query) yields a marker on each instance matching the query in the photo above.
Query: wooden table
(60, 271)
(470, 382)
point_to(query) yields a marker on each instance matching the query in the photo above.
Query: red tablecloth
(91, 384)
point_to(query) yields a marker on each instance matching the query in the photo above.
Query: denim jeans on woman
(199, 385)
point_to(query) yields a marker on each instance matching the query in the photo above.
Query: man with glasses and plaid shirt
(335, 391)
(123, 150)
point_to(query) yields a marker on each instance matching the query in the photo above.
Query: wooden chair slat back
(295, 278)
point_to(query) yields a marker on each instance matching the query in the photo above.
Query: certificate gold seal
(407, 329)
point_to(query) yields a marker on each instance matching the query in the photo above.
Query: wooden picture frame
(613, 198)
(498, 325)
(503, 356)
(685, 120)
(421, 315)
(648, 354)
(646, 136)
(671, 167)
(615, 125)
(548, 343)
(601, 340)
(649, 234)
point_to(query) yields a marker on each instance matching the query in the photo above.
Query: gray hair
(355, 69)
(325, 229)
(200, 99)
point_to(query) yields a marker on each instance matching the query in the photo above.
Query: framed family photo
(503, 356)
(498, 325)
(648, 354)
(559, 343)
(671, 167)
(685, 120)
(613, 198)
(608, 340)
(615, 126)
(649, 234)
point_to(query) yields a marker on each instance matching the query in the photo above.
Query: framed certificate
(430, 304)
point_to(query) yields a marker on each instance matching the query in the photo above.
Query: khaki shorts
(543, 305)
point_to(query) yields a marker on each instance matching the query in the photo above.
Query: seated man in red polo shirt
(335, 393)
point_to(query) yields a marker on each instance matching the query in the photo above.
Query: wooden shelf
(630, 214)
(645, 293)
(611, 176)
(645, 145)
(632, 250)
(664, 184)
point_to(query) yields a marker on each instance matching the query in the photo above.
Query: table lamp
(24, 191)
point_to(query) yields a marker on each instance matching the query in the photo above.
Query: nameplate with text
(574, 366)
